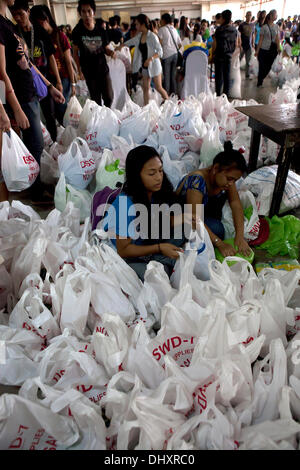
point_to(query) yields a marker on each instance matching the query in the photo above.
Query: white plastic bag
(49, 168)
(46, 136)
(136, 127)
(72, 114)
(235, 76)
(251, 227)
(211, 146)
(261, 183)
(102, 126)
(77, 164)
(86, 115)
(28, 426)
(109, 173)
(18, 166)
(65, 193)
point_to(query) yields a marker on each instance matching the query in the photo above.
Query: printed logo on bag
(28, 159)
(180, 348)
(40, 441)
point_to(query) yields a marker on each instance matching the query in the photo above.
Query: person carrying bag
(268, 46)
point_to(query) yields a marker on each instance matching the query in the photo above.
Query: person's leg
(3, 189)
(139, 268)
(226, 75)
(107, 90)
(242, 54)
(215, 226)
(248, 54)
(48, 108)
(159, 88)
(166, 66)
(33, 140)
(264, 67)
(218, 77)
(173, 74)
(60, 109)
(94, 89)
(146, 88)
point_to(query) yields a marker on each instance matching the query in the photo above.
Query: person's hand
(21, 119)
(147, 62)
(73, 90)
(169, 250)
(114, 55)
(226, 250)
(4, 120)
(59, 87)
(56, 95)
(81, 76)
(242, 246)
(255, 54)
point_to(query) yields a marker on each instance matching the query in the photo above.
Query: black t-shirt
(42, 47)
(91, 46)
(115, 35)
(17, 67)
(246, 30)
(144, 51)
(226, 40)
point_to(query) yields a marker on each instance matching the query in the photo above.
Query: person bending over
(212, 186)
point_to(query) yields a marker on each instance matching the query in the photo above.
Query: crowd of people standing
(40, 61)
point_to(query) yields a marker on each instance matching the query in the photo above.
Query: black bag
(179, 55)
(273, 48)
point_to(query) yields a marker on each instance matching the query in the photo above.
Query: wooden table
(281, 124)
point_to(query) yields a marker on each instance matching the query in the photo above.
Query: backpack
(101, 199)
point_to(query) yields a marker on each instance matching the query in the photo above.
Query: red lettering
(173, 341)
(165, 347)
(16, 444)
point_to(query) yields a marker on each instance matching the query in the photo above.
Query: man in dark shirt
(41, 52)
(114, 34)
(90, 40)
(247, 37)
(224, 44)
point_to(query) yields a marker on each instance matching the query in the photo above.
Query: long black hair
(230, 159)
(133, 186)
(42, 12)
(144, 20)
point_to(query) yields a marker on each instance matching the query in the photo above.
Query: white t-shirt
(198, 38)
(168, 45)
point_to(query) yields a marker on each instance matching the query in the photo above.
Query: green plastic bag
(230, 241)
(284, 238)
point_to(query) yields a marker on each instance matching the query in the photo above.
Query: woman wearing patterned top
(212, 187)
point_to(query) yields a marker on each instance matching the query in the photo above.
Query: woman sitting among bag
(145, 184)
(212, 186)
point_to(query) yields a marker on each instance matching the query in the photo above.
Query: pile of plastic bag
(283, 69)
(206, 365)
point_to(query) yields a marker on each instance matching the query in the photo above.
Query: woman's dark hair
(197, 29)
(176, 22)
(144, 20)
(167, 18)
(226, 15)
(182, 24)
(218, 16)
(154, 24)
(230, 158)
(19, 5)
(268, 17)
(42, 12)
(261, 18)
(91, 3)
(133, 186)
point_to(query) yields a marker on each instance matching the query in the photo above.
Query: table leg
(254, 149)
(282, 172)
